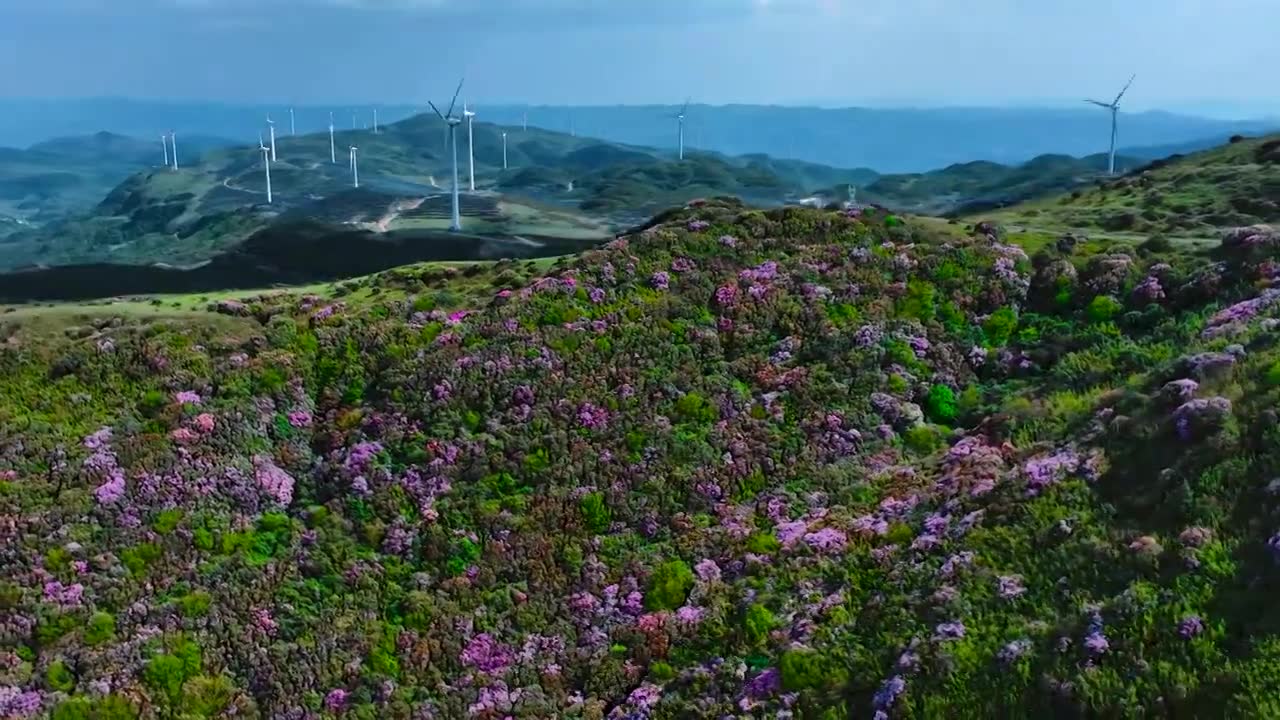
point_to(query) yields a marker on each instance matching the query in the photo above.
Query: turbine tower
(504, 150)
(375, 121)
(164, 143)
(355, 168)
(471, 147)
(333, 150)
(525, 121)
(266, 164)
(1114, 107)
(271, 124)
(293, 129)
(173, 140)
(453, 123)
(680, 125)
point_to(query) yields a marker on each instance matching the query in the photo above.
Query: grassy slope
(1189, 197)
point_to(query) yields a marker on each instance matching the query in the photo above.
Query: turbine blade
(1125, 89)
(455, 97)
(433, 107)
(1099, 103)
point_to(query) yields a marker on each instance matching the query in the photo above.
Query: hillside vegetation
(738, 463)
(1195, 195)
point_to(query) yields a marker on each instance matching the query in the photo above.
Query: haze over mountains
(886, 140)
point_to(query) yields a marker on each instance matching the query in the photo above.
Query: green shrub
(919, 301)
(140, 556)
(999, 327)
(207, 697)
(59, 677)
(101, 628)
(803, 669)
(195, 604)
(166, 521)
(923, 439)
(661, 671)
(758, 623)
(669, 586)
(940, 405)
(595, 513)
(692, 407)
(1272, 376)
(763, 543)
(1103, 308)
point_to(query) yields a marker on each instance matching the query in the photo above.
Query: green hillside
(742, 463)
(1192, 196)
(56, 178)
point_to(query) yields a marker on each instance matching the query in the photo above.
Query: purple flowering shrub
(686, 474)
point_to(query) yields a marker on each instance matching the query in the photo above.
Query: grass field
(446, 285)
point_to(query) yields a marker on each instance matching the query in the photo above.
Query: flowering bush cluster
(774, 464)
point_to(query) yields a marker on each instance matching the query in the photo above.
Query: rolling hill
(1195, 195)
(557, 186)
(975, 186)
(65, 175)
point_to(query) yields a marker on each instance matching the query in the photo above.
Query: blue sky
(1188, 54)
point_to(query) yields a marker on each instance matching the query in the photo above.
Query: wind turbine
(525, 121)
(333, 150)
(471, 147)
(680, 123)
(504, 150)
(266, 164)
(1114, 107)
(271, 124)
(355, 168)
(164, 143)
(353, 119)
(453, 123)
(375, 121)
(293, 129)
(173, 140)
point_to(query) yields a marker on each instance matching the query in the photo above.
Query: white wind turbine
(333, 150)
(173, 140)
(1114, 107)
(680, 124)
(164, 143)
(293, 129)
(471, 147)
(375, 121)
(271, 125)
(525, 121)
(266, 164)
(453, 123)
(504, 150)
(355, 168)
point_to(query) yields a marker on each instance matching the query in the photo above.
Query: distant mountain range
(887, 140)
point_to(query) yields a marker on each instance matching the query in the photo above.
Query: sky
(1210, 56)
